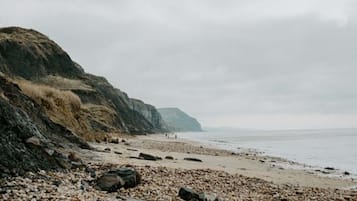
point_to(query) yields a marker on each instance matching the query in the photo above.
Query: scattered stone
(114, 141)
(117, 152)
(127, 143)
(149, 157)
(34, 141)
(109, 182)
(262, 161)
(134, 157)
(169, 157)
(329, 168)
(107, 149)
(131, 149)
(115, 179)
(77, 165)
(193, 159)
(190, 195)
(57, 182)
(84, 185)
(299, 192)
(346, 173)
(91, 172)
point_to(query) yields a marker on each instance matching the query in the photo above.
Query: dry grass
(51, 98)
(64, 83)
(65, 108)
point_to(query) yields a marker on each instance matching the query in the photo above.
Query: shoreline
(240, 176)
(273, 169)
(284, 162)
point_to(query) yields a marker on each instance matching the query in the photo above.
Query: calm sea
(334, 148)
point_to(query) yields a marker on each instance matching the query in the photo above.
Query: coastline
(247, 163)
(238, 176)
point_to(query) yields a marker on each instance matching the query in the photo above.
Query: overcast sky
(265, 64)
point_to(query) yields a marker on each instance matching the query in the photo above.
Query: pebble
(158, 183)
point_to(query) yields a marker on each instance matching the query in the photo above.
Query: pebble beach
(162, 179)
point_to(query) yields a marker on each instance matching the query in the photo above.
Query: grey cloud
(228, 60)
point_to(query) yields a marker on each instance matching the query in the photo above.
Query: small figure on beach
(175, 136)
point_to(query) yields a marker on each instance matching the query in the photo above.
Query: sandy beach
(251, 164)
(232, 176)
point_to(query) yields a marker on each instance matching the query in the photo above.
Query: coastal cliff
(50, 106)
(177, 120)
(33, 61)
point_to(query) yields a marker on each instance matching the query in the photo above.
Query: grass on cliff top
(51, 98)
(64, 83)
(65, 108)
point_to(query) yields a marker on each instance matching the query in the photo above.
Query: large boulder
(120, 178)
(188, 194)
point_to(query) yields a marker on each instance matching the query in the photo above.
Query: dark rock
(346, 173)
(149, 157)
(329, 168)
(134, 157)
(114, 141)
(77, 165)
(109, 182)
(115, 179)
(90, 171)
(188, 194)
(131, 149)
(193, 159)
(117, 152)
(57, 182)
(84, 185)
(169, 158)
(107, 149)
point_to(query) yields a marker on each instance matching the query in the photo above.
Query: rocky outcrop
(29, 140)
(177, 120)
(28, 54)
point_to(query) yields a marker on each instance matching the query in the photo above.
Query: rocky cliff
(46, 73)
(178, 120)
(29, 140)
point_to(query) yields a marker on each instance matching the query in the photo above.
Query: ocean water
(323, 148)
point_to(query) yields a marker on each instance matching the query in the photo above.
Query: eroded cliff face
(29, 140)
(30, 55)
